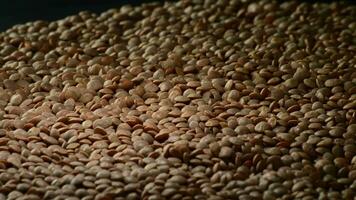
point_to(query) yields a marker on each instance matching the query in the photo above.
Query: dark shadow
(21, 11)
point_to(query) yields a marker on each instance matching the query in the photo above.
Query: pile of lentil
(202, 100)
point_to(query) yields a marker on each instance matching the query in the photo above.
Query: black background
(20, 11)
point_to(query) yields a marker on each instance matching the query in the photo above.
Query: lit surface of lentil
(189, 100)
